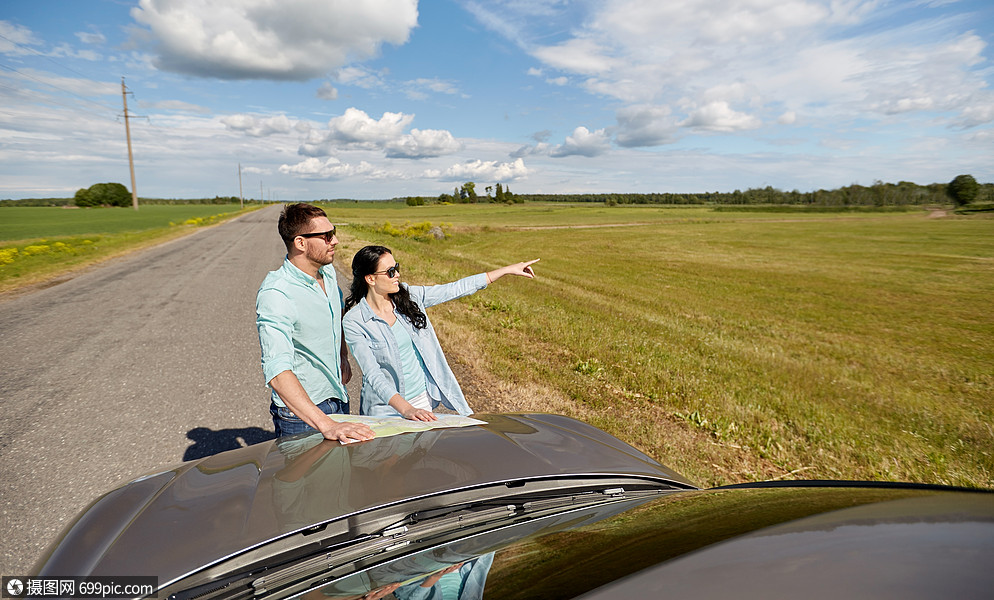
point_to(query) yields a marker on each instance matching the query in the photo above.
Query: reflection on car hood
(174, 522)
(931, 546)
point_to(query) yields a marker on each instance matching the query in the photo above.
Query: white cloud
(62, 85)
(645, 126)
(327, 92)
(583, 142)
(91, 38)
(540, 148)
(331, 168)
(435, 85)
(260, 39)
(419, 89)
(12, 37)
(507, 17)
(360, 76)
(977, 114)
(258, 127)
(733, 65)
(358, 128)
(478, 170)
(175, 105)
(719, 116)
(67, 51)
(256, 171)
(579, 55)
(423, 144)
(355, 131)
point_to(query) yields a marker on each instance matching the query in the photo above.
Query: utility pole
(241, 199)
(131, 158)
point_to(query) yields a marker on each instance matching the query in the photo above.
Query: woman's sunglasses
(391, 272)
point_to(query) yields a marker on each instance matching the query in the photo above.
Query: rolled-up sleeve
(431, 295)
(275, 318)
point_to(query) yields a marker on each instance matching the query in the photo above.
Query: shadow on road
(207, 442)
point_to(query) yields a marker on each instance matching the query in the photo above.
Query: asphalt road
(147, 361)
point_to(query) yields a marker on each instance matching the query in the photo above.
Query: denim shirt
(300, 330)
(375, 350)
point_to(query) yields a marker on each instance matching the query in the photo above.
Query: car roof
(176, 521)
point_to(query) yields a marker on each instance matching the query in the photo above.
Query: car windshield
(417, 545)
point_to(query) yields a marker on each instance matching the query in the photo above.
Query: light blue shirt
(300, 330)
(414, 367)
(467, 583)
(375, 349)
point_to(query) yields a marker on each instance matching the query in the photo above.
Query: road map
(387, 426)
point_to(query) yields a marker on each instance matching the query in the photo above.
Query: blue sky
(378, 99)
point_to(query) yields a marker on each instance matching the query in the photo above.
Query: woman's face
(381, 282)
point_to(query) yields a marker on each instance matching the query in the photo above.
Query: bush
(963, 190)
(103, 194)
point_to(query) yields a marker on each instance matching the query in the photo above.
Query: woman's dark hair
(365, 262)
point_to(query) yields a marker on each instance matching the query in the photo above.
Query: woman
(403, 369)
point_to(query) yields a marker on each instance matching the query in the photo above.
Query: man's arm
(288, 387)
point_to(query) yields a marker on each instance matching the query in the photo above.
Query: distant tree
(82, 198)
(469, 188)
(104, 194)
(500, 193)
(511, 198)
(963, 190)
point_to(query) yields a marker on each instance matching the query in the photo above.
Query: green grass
(848, 346)
(501, 216)
(38, 243)
(26, 223)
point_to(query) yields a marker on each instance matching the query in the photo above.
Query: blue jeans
(287, 423)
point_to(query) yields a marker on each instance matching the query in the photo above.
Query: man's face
(318, 249)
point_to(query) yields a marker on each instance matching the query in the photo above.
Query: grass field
(730, 346)
(37, 243)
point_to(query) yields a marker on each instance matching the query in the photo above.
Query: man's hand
(346, 432)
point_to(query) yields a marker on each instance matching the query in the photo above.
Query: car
(517, 506)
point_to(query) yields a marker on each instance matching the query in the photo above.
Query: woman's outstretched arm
(521, 269)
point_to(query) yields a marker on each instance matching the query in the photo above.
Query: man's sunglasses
(391, 272)
(327, 235)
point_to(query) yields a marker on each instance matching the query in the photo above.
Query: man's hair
(294, 220)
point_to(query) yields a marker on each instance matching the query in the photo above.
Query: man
(299, 317)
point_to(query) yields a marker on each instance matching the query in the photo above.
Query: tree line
(466, 194)
(962, 191)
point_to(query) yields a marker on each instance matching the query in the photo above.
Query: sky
(297, 100)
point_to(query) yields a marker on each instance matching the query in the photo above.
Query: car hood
(175, 522)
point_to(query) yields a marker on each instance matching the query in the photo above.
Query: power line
(45, 56)
(52, 85)
(49, 99)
